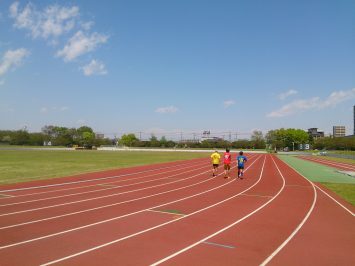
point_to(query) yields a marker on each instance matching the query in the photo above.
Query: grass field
(341, 184)
(26, 165)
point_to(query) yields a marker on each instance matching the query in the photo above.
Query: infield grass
(27, 165)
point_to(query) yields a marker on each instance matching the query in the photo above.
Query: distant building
(99, 136)
(338, 131)
(315, 133)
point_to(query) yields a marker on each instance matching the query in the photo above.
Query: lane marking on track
(119, 217)
(90, 180)
(330, 163)
(300, 186)
(160, 225)
(95, 198)
(218, 245)
(108, 185)
(227, 227)
(269, 258)
(6, 196)
(115, 182)
(256, 195)
(110, 205)
(337, 202)
(167, 212)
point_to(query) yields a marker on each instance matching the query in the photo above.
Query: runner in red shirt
(227, 158)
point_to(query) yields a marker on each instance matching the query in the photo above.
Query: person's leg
(228, 170)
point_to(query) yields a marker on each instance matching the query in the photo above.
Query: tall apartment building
(338, 131)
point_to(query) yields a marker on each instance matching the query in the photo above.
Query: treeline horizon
(84, 136)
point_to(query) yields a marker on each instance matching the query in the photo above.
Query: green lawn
(26, 165)
(341, 184)
(347, 191)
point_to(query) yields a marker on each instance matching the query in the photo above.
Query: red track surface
(334, 164)
(273, 216)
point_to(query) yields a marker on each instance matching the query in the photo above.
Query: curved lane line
(104, 189)
(84, 181)
(227, 227)
(100, 197)
(268, 259)
(154, 227)
(337, 202)
(129, 214)
(113, 182)
(328, 163)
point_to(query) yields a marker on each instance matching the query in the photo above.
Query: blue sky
(169, 66)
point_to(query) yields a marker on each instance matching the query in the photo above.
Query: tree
(154, 142)
(257, 140)
(128, 140)
(282, 138)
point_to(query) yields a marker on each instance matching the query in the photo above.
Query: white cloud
(64, 108)
(94, 68)
(315, 103)
(54, 109)
(44, 110)
(80, 44)
(52, 22)
(285, 95)
(55, 23)
(168, 109)
(12, 59)
(228, 103)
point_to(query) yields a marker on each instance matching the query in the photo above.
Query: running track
(334, 164)
(177, 214)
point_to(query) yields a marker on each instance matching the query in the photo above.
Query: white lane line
(225, 228)
(97, 208)
(100, 197)
(166, 212)
(337, 202)
(84, 181)
(110, 184)
(151, 228)
(133, 213)
(269, 258)
(334, 162)
(218, 245)
(328, 163)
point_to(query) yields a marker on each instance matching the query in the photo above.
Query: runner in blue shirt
(241, 159)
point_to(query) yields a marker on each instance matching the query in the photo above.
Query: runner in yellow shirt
(215, 162)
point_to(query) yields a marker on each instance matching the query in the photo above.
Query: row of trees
(57, 136)
(257, 142)
(84, 136)
(329, 143)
